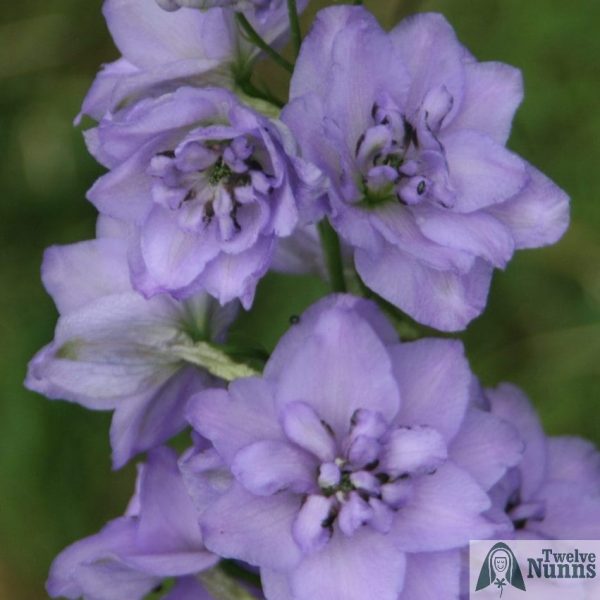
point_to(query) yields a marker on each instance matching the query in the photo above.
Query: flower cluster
(347, 463)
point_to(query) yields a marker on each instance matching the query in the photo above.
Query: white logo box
(547, 569)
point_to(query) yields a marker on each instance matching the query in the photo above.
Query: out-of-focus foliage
(541, 328)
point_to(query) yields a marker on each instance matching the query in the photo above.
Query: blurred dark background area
(541, 329)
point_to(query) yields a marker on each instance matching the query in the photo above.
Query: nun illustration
(500, 569)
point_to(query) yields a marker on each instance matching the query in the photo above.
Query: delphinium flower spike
(349, 464)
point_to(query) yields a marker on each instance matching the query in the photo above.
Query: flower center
(361, 494)
(400, 157)
(340, 478)
(369, 480)
(208, 181)
(219, 172)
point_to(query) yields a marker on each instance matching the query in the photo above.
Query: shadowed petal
(340, 368)
(574, 460)
(444, 512)
(167, 519)
(147, 36)
(308, 528)
(267, 467)
(205, 475)
(173, 258)
(106, 351)
(434, 379)
(432, 576)
(511, 404)
(229, 276)
(303, 426)
(99, 98)
(446, 300)
(398, 227)
(571, 512)
(254, 529)
(124, 192)
(427, 44)
(539, 215)
(367, 565)
(418, 449)
(146, 421)
(276, 586)
(295, 338)
(77, 274)
(188, 588)
(236, 419)
(486, 447)
(482, 172)
(91, 566)
(492, 94)
(347, 49)
(478, 233)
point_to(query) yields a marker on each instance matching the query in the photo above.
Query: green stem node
(259, 42)
(333, 256)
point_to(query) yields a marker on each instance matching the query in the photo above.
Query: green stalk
(235, 571)
(294, 26)
(254, 92)
(258, 41)
(333, 255)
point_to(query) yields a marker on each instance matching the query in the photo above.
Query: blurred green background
(541, 329)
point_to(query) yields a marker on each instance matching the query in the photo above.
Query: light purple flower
(338, 464)
(411, 131)
(207, 185)
(485, 447)
(115, 350)
(158, 538)
(554, 492)
(162, 51)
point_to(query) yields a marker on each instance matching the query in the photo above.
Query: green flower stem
(258, 41)
(236, 571)
(333, 256)
(214, 360)
(294, 26)
(222, 587)
(252, 91)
